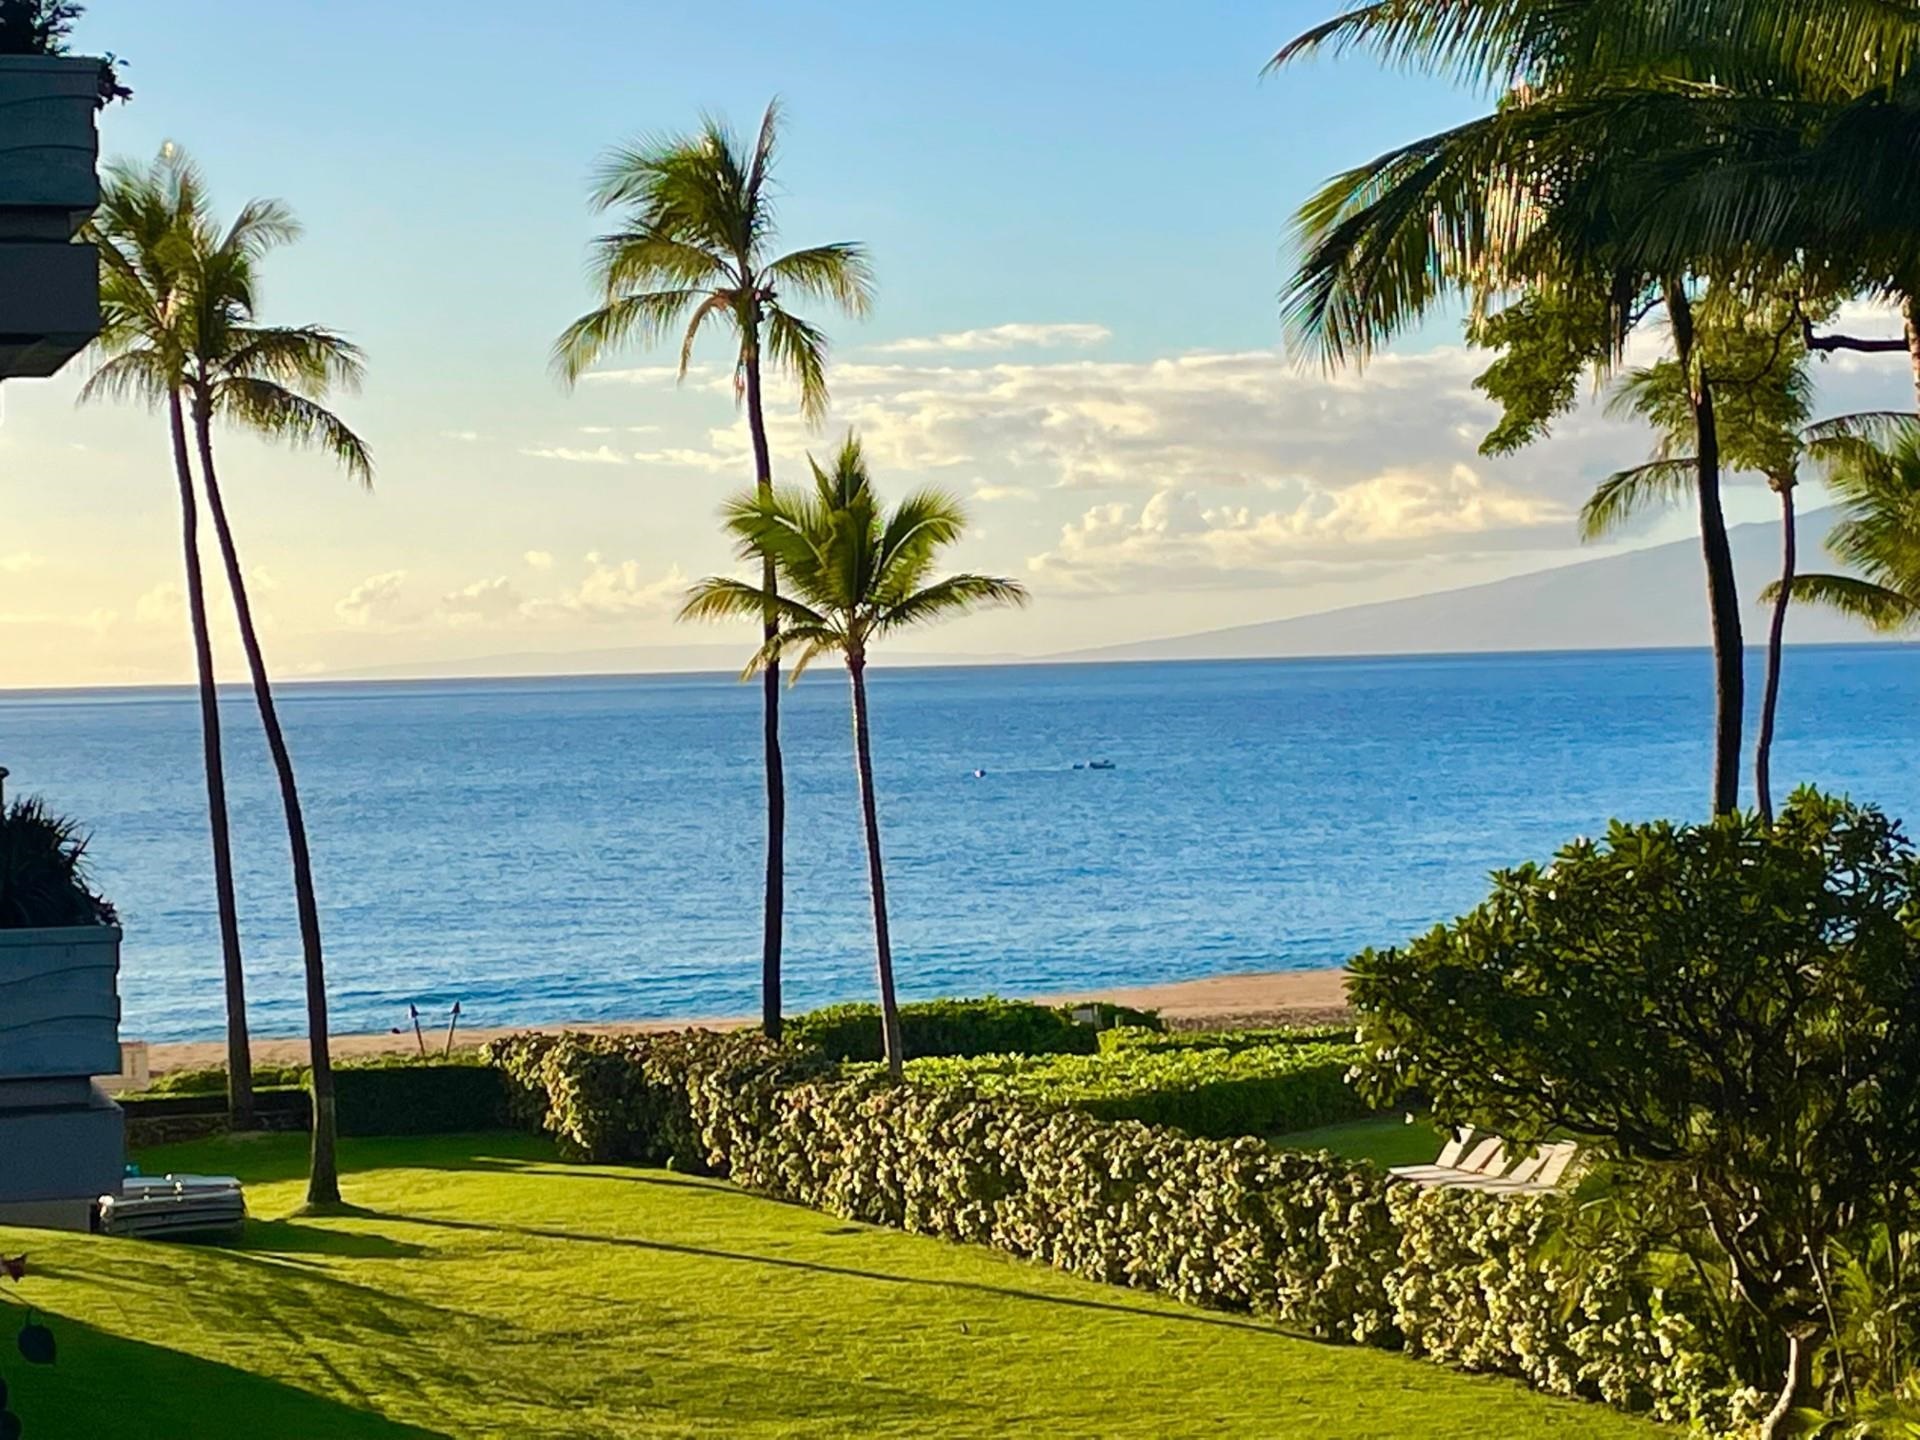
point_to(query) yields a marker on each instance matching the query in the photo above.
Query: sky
(1078, 215)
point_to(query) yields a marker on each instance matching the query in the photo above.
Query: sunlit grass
(483, 1289)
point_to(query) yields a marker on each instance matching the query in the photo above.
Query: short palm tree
(850, 574)
(270, 380)
(144, 304)
(1759, 371)
(696, 246)
(1877, 488)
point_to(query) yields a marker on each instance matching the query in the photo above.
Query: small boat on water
(1100, 765)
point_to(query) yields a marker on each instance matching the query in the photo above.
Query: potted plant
(61, 1137)
(49, 286)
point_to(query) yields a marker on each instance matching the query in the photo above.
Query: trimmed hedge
(1321, 1245)
(986, 1026)
(1219, 1091)
(1132, 1037)
(381, 1096)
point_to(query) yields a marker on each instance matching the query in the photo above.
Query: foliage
(1547, 339)
(178, 292)
(1735, 1006)
(43, 871)
(986, 1026)
(1877, 489)
(1226, 1091)
(376, 1095)
(1325, 1248)
(37, 27)
(1137, 1037)
(694, 243)
(853, 572)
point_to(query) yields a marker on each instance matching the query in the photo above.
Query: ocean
(581, 849)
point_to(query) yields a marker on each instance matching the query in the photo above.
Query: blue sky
(1089, 201)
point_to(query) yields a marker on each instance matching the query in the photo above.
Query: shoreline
(1269, 997)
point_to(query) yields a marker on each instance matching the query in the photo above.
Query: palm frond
(277, 413)
(840, 273)
(955, 595)
(309, 357)
(800, 349)
(720, 597)
(1627, 493)
(644, 317)
(1880, 606)
(141, 375)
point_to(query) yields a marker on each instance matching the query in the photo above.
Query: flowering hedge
(1322, 1246)
(1222, 1090)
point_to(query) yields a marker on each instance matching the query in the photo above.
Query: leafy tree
(849, 573)
(144, 302)
(271, 381)
(696, 245)
(1732, 1010)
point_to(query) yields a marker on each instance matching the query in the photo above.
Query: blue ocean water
(591, 848)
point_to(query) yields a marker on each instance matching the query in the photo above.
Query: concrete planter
(61, 1139)
(49, 150)
(59, 1002)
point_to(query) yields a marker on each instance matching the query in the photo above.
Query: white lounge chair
(153, 1206)
(1465, 1156)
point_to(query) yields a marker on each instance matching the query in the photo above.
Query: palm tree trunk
(1911, 315)
(775, 900)
(239, 1051)
(323, 1176)
(1763, 747)
(1723, 596)
(876, 875)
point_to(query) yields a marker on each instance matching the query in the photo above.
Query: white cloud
(613, 592)
(377, 600)
(466, 437)
(1016, 336)
(652, 375)
(603, 455)
(988, 494)
(1175, 540)
(539, 559)
(717, 462)
(20, 562)
(162, 605)
(483, 601)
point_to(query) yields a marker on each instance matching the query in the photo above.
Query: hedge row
(984, 1026)
(1132, 1037)
(1322, 1246)
(1220, 1091)
(416, 1098)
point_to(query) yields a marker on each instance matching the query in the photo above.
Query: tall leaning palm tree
(145, 307)
(850, 574)
(696, 245)
(271, 381)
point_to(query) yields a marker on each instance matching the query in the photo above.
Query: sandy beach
(1269, 998)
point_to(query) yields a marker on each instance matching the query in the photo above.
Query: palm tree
(269, 380)
(696, 245)
(1758, 367)
(850, 573)
(145, 305)
(1877, 487)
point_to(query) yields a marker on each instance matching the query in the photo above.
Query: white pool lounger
(165, 1206)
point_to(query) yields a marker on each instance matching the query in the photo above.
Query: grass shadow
(289, 1237)
(108, 1384)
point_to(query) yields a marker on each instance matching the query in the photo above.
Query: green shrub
(986, 1026)
(212, 1079)
(1132, 1037)
(43, 871)
(1223, 1091)
(419, 1099)
(1324, 1247)
(375, 1095)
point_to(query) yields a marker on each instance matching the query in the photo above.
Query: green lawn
(1387, 1140)
(485, 1289)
